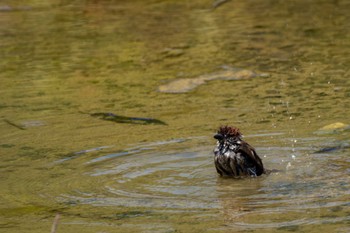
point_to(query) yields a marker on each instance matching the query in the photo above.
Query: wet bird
(235, 157)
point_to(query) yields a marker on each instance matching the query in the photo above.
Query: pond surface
(63, 62)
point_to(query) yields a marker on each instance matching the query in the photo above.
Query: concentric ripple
(305, 188)
(155, 176)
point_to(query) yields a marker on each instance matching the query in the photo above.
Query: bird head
(228, 134)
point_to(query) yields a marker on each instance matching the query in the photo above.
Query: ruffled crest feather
(229, 131)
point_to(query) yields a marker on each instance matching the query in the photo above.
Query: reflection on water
(60, 59)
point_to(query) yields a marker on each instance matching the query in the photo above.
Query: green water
(64, 60)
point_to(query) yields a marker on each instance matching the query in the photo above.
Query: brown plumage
(235, 157)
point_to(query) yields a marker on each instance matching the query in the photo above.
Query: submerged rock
(173, 52)
(218, 3)
(333, 128)
(108, 116)
(32, 123)
(338, 146)
(187, 84)
(25, 124)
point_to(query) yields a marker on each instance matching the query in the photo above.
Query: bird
(233, 156)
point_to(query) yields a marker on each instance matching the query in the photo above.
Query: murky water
(62, 61)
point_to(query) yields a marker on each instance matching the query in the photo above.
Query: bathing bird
(235, 157)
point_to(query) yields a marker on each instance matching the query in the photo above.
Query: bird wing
(252, 157)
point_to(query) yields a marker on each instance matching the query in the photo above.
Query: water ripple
(307, 189)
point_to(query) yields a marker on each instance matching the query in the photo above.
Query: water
(62, 60)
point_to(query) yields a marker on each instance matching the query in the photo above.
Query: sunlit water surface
(62, 61)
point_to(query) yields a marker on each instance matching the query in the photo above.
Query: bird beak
(219, 136)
